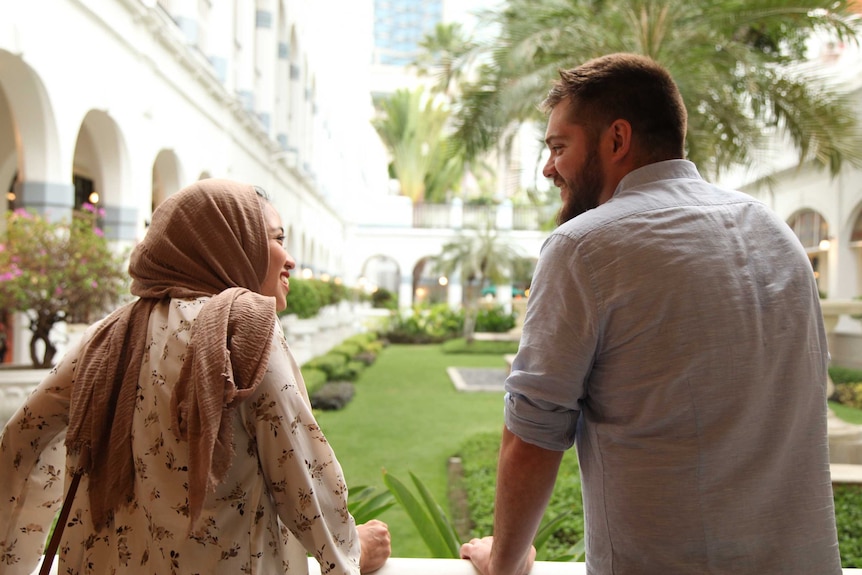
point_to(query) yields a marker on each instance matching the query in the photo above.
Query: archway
(100, 173)
(812, 229)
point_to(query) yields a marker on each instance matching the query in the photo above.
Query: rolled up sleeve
(557, 350)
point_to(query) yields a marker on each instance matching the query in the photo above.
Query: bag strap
(57, 534)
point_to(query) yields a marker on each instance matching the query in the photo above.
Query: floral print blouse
(283, 497)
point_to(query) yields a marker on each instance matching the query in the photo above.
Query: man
(674, 332)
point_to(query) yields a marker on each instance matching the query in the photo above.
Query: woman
(188, 416)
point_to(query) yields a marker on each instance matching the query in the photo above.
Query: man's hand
(479, 552)
(375, 546)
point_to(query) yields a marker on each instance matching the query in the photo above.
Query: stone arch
(100, 166)
(167, 177)
(852, 239)
(427, 288)
(380, 271)
(812, 229)
(32, 168)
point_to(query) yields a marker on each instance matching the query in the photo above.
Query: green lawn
(407, 416)
(845, 413)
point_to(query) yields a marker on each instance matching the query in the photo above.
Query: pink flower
(99, 232)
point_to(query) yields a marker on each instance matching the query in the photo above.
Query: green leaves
(58, 271)
(438, 531)
(429, 518)
(365, 504)
(741, 68)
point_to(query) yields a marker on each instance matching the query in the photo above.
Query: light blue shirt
(675, 333)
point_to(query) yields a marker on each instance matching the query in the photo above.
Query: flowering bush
(58, 272)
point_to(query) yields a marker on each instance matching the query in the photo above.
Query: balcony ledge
(411, 566)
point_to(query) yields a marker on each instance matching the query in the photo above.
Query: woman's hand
(375, 546)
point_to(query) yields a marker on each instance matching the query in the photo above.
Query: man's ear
(619, 135)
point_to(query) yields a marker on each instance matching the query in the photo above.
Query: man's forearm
(525, 480)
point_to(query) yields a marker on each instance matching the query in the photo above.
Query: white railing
(410, 566)
(407, 566)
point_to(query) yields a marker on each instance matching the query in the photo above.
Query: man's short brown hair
(630, 87)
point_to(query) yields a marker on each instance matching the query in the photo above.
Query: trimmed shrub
(385, 299)
(304, 299)
(845, 374)
(460, 345)
(849, 394)
(848, 518)
(494, 320)
(348, 372)
(314, 378)
(333, 395)
(329, 363)
(347, 349)
(433, 324)
(479, 460)
(366, 357)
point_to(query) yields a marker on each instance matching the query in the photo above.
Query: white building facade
(121, 103)
(825, 211)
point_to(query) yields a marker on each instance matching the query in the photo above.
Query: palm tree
(479, 256)
(446, 54)
(411, 125)
(740, 66)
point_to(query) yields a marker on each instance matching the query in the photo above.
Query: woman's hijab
(207, 240)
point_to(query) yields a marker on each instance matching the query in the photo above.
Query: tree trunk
(470, 313)
(41, 327)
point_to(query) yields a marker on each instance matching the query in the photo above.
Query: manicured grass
(407, 416)
(846, 413)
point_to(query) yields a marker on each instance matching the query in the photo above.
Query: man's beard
(584, 191)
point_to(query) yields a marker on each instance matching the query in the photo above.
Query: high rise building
(400, 25)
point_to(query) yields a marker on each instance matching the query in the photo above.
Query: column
(265, 57)
(185, 14)
(53, 200)
(121, 223)
(405, 292)
(220, 43)
(244, 50)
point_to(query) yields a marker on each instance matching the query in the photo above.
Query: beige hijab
(208, 239)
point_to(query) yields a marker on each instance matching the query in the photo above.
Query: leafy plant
(560, 536)
(365, 503)
(845, 374)
(438, 530)
(740, 67)
(848, 518)
(58, 272)
(494, 320)
(478, 256)
(429, 518)
(432, 324)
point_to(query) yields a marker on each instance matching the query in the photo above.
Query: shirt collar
(665, 170)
